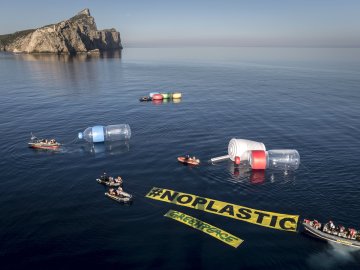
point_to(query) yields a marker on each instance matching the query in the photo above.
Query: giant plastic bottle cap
(258, 160)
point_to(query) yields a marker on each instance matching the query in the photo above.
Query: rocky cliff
(75, 35)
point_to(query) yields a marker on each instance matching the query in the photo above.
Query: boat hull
(124, 199)
(44, 146)
(329, 237)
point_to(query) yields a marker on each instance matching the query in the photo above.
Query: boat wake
(333, 257)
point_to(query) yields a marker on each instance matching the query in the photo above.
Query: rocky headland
(78, 34)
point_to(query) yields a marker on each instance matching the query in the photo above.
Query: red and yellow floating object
(176, 95)
(157, 97)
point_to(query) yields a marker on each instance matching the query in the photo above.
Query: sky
(294, 23)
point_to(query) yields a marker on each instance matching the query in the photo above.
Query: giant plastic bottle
(106, 134)
(282, 159)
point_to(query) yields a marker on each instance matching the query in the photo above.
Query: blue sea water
(55, 216)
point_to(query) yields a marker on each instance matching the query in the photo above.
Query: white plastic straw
(217, 159)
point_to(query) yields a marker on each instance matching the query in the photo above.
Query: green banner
(211, 230)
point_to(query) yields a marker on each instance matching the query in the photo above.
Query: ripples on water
(56, 216)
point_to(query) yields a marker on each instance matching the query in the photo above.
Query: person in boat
(341, 231)
(352, 233)
(327, 228)
(104, 177)
(187, 157)
(331, 226)
(119, 191)
(112, 191)
(316, 224)
(118, 179)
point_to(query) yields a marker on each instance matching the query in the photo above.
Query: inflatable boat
(122, 198)
(190, 161)
(109, 183)
(316, 230)
(43, 143)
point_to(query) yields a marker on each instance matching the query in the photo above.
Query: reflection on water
(257, 177)
(39, 151)
(244, 173)
(272, 99)
(157, 102)
(165, 101)
(111, 54)
(282, 176)
(81, 57)
(72, 73)
(241, 172)
(176, 100)
(107, 148)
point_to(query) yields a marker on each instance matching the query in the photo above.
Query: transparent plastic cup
(279, 159)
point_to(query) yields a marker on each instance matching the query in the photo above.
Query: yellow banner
(263, 218)
(211, 230)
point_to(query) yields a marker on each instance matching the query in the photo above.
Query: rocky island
(78, 34)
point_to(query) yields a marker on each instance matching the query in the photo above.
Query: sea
(54, 215)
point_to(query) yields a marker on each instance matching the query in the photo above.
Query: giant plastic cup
(241, 147)
(106, 134)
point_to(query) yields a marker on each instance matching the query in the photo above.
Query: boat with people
(119, 195)
(189, 160)
(49, 144)
(110, 181)
(145, 99)
(331, 233)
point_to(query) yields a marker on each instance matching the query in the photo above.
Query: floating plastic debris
(281, 159)
(238, 150)
(106, 133)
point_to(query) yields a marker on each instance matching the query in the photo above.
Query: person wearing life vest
(331, 225)
(316, 224)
